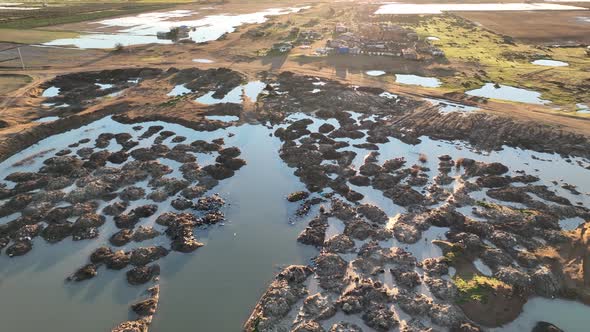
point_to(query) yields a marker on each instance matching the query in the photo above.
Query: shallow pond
(50, 92)
(375, 73)
(427, 82)
(505, 92)
(550, 63)
(178, 90)
(143, 28)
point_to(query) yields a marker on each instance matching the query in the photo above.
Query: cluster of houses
(374, 38)
(379, 39)
(303, 38)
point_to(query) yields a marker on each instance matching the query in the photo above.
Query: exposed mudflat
(172, 198)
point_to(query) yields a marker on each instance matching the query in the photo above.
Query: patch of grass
(485, 205)
(453, 255)
(33, 36)
(172, 102)
(477, 288)
(527, 212)
(484, 56)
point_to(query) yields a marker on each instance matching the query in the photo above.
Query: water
(216, 287)
(178, 90)
(375, 72)
(54, 106)
(571, 223)
(583, 109)
(48, 119)
(388, 95)
(251, 90)
(427, 82)
(435, 9)
(482, 267)
(203, 60)
(510, 93)
(50, 92)
(256, 209)
(567, 315)
(550, 63)
(103, 86)
(143, 28)
(226, 277)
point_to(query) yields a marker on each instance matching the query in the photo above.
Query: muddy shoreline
(483, 130)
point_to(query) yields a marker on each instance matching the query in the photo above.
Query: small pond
(178, 90)
(50, 92)
(550, 63)
(375, 73)
(505, 92)
(427, 82)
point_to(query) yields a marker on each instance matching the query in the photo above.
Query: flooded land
(294, 166)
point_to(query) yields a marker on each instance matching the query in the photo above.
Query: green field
(483, 56)
(69, 12)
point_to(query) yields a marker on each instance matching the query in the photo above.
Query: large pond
(216, 287)
(143, 28)
(510, 93)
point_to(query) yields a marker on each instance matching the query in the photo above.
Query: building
(340, 28)
(282, 47)
(343, 50)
